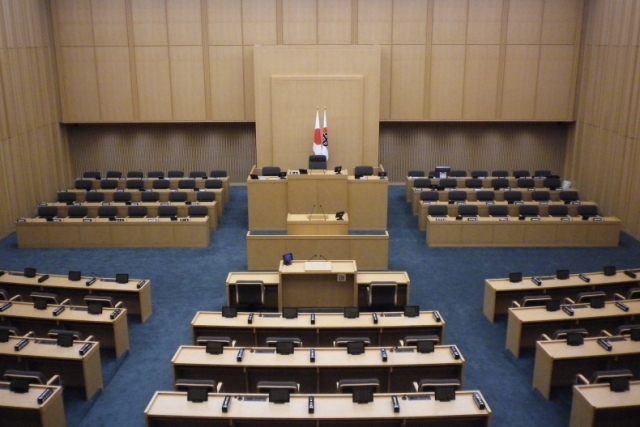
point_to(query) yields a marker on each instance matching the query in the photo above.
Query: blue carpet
(187, 280)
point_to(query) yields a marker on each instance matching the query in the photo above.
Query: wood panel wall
(192, 60)
(603, 152)
(34, 159)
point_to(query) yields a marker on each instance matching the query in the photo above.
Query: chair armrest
(16, 298)
(219, 387)
(89, 338)
(119, 304)
(415, 387)
(54, 380)
(581, 379)
(618, 297)
(515, 304)
(233, 343)
(66, 302)
(605, 333)
(29, 334)
(401, 343)
(545, 337)
(569, 301)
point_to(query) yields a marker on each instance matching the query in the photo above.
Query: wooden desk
(331, 365)
(368, 202)
(371, 251)
(526, 324)
(24, 409)
(328, 190)
(111, 333)
(557, 363)
(418, 409)
(597, 406)
(391, 327)
(45, 356)
(538, 232)
(173, 184)
(499, 293)
(137, 300)
(317, 224)
(103, 233)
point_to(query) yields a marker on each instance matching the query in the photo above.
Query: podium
(317, 224)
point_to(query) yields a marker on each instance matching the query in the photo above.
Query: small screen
(197, 394)
(29, 272)
(424, 346)
(284, 347)
(4, 335)
(303, 172)
(515, 277)
(337, 169)
(75, 276)
(254, 176)
(553, 305)
(287, 258)
(279, 395)
(575, 338)
(355, 348)
(40, 304)
(597, 302)
(215, 347)
(289, 312)
(228, 311)
(562, 274)
(94, 307)
(618, 384)
(19, 385)
(411, 311)
(362, 394)
(635, 334)
(64, 340)
(610, 270)
(445, 393)
(122, 278)
(351, 312)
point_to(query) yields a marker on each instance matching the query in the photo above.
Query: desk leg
(542, 372)
(121, 334)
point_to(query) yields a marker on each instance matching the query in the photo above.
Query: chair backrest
(317, 161)
(49, 297)
(204, 339)
(175, 174)
(525, 183)
(602, 377)
(12, 331)
(105, 301)
(585, 297)
(457, 196)
(47, 211)
(430, 385)
(588, 210)
(412, 340)
(108, 184)
(155, 174)
(540, 196)
(135, 184)
(529, 210)
(383, 294)
(177, 196)
(160, 184)
(534, 300)
(363, 170)
(422, 183)
(77, 211)
(213, 183)
(479, 173)
(32, 377)
(498, 210)
(134, 174)
(107, 211)
(249, 293)
(626, 329)
(218, 173)
(197, 211)
(83, 184)
(149, 196)
(347, 385)
(183, 384)
(343, 341)
(561, 334)
(633, 293)
(498, 183)
(500, 173)
(542, 173)
(206, 196)
(429, 196)
(137, 211)
(473, 183)
(513, 196)
(568, 196)
(521, 173)
(270, 171)
(114, 174)
(66, 197)
(448, 183)
(197, 174)
(94, 197)
(273, 341)
(485, 196)
(53, 333)
(167, 211)
(457, 173)
(266, 386)
(91, 175)
(122, 196)
(552, 183)
(438, 210)
(4, 295)
(468, 210)
(187, 184)
(558, 210)
(415, 173)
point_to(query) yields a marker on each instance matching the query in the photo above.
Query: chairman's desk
(23, 409)
(171, 409)
(557, 364)
(510, 231)
(317, 224)
(443, 195)
(152, 209)
(293, 286)
(111, 333)
(526, 324)
(163, 196)
(391, 327)
(43, 355)
(173, 184)
(461, 183)
(597, 406)
(500, 293)
(270, 199)
(137, 300)
(402, 368)
(483, 208)
(119, 233)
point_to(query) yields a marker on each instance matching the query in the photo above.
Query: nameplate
(106, 204)
(543, 203)
(5, 306)
(44, 396)
(531, 189)
(575, 203)
(240, 355)
(21, 344)
(597, 219)
(491, 203)
(22, 220)
(472, 219)
(503, 219)
(313, 319)
(42, 204)
(584, 278)
(184, 219)
(455, 353)
(225, 404)
(312, 405)
(85, 349)
(605, 344)
(536, 280)
(440, 219)
(134, 203)
(87, 220)
(479, 401)
(312, 355)
(115, 313)
(58, 310)
(119, 219)
(395, 403)
(152, 219)
(535, 219)
(436, 317)
(568, 310)
(622, 306)
(518, 203)
(57, 220)
(565, 219)
(140, 284)
(383, 354)
(374, 316)
(250, 318)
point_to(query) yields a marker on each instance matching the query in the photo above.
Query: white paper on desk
(317, 265)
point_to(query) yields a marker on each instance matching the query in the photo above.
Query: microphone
(322, 257)
(312, 257)
(312, 209)
(324, 216)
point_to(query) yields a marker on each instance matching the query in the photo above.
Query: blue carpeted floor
(187, 280)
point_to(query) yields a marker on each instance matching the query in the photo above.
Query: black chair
(552, 183)
(415, 173)
(135, 175)
(175, 174)
(363, 170)
(104, 301)
(521, 173)
(499, 183)
(67, 197)
(586, 297)
(542, 173)
(422, 183)
(473, 183)
(266, 386)
(213, 184)
(412, 340)
(83, 184)
(108, 184)
(485, 196)
(161, 184)
(512, 196)
(206, 196)
(526, 183)
(197, 174)
(47, 298)
(532, 301)
(48, 212)
(500, 173)
(479, 173)
(438, 210)
(137, 211)
(317, 161)
(186, 184)
(561, 334)
(91, 175)
(196, 211)
(149, 196)
(382, 295)
(77, 212)
(122, 197)
(448, 183)
(632, 293)
(528, 210)
(135, 184)
(568, 196)
(31, 377)
(75, 335)
(498, 210)
(178, 196)
(625, 329)
(540, 196)
(107, 212)
(273, 341)
(468, 210)
(605, 377)
(183, 384)
(457, 173)
(558, 210)
(270, 171)
(218, 173)
(4, 296)
(430, 385)
(347, 385)
(202, 340)
(12, 331)
(344, 341)
(94, 197)
(429, 196)
(457, 196)
(587, 210)
(155, 174)
(167, 212)
(249, 295)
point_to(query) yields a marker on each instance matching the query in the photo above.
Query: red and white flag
(318, 147)
(325, 136)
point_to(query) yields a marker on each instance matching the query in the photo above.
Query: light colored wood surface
(447, 82)
(114, 84)
(154, 83)
(374, 22)
(367, 203)
(317, 224)
(49, 414)
(449, 22)
(485, 21)
(520, 81)
(79, 76)
(410, 22)
(407, 81)
(590, 400)
(187, 83)
(481, 82)
(334, 22)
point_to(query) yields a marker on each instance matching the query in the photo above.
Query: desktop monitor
(94, 307)
(355, 348)
(19, 385)
(635, 334)
(515, 277)
(382, 174)
(425, 346)
(411, 311)
(351, 312)
(445, 393)
(4, 335)
(41, 303)
(362, 395)
(619, 384)
(562, 274)
(575, 338)
(284, 347)
(303, 171)
(596, 302)
(75, 276)
(229, 312)
(442, 171)
(553, 305)
(282, 175)
(279, 395)
(289, 312)
(337, 169)
(197, 394)
(64, 339)
(214, 347)
(122, 278)
(29, 272)
(610, 270)
(287, 258)
(339, 215)
(254, 176)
